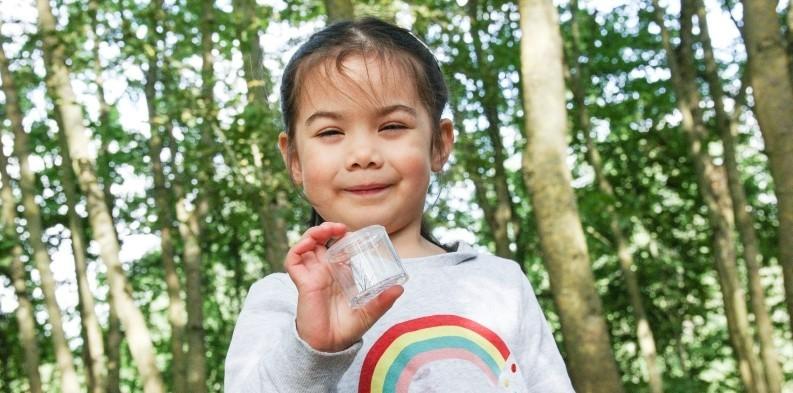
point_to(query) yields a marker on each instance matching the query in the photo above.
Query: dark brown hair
(365, 37)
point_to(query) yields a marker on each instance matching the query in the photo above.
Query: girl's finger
(324, 232)
(304, 245)
(294, 255)
(319, 235)
(311, 238)
(378, 306)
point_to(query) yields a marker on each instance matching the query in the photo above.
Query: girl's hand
(325, 319)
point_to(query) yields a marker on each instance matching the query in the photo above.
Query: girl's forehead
(356, 84)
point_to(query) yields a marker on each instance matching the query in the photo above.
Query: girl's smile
(372, 189)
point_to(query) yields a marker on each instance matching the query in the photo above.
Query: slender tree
(176, 307)
(467, 152)
(271, 191)
(41, 257)
(713, 189)
(18, 275)
(59, 87)
(105, 176)
(103, 165)
(503, 211)
(113, 341)
(94, 353)
(114, 336)
(473, 154)
(769, 73)
(191, 223)
(591, 362)
(744, 222)
(644, 332)
(92, 332)
(789, 19)
(190, 228)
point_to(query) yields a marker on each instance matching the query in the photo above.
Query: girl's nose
(363, 153)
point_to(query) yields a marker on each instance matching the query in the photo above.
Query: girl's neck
(410, 244)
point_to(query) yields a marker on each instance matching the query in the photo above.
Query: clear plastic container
(365, 263)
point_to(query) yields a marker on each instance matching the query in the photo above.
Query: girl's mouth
(367, 189)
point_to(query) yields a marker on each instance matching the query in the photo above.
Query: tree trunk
(773, 92)
(744, 222)
(466, 152)
(480, 194)
(18, 275)
(504, 209)
(789, 19)
(270, 192)
(238, 279)
(176, 307)
(275, 226)
(190, 229)
(713, 189)
(191, 223)
(339, 10)
(59, 87)
(92, 332)
(644, 333)
(590, 359)
(103, 168)
(63, 354)
(105, 175)
(114, 337)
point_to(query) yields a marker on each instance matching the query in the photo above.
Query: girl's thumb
(382, 303)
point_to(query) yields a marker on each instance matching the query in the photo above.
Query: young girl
(362, 104)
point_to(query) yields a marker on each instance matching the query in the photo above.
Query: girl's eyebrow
(321, 114)
(394, 108)
(380, 113)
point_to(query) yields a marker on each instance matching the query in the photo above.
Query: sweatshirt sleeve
(267, 355)
(540, 360)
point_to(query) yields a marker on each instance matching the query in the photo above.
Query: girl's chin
(365, 216)
(354, 226)
(391, 225)
(357, 222)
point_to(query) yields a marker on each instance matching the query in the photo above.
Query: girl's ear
(292, 163)
(441, 154)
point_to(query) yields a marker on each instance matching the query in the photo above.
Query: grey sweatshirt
(467, 322)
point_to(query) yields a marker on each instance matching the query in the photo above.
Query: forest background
(634, 157)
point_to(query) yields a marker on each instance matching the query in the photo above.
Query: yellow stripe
(390, 354)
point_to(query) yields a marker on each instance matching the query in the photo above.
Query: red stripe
(380, 346)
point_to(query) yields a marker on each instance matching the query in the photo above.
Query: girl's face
(363, 151)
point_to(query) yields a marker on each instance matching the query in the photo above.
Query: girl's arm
(542, 365)
(300, 337)
(267, 355)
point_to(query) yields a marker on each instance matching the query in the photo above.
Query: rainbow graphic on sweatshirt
(405, 348)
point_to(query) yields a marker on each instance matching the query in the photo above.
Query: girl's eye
(394, 126)
(328, 133)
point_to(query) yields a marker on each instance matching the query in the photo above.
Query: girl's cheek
(416, 163)
(315, 170)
